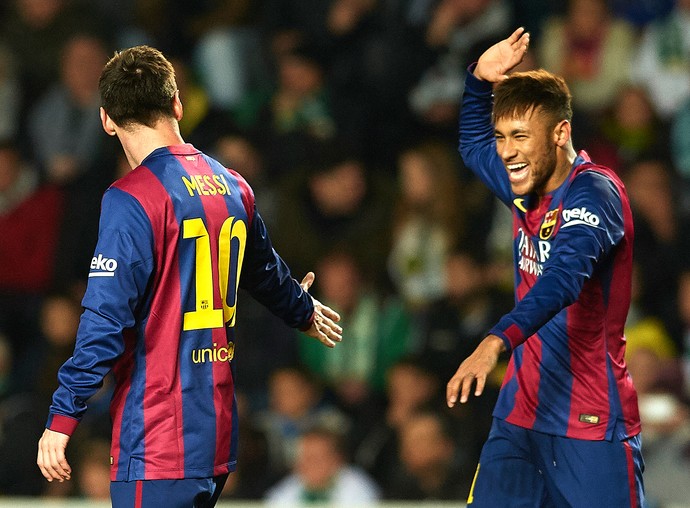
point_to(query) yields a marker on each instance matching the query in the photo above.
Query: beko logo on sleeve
(579, 216)
(102, 266)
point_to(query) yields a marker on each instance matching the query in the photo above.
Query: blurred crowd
(342, 115)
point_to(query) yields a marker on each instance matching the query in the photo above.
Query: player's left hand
(323, 327)
(477, 367)
(51, 456)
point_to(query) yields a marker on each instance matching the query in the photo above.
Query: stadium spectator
(296, 402)
(62, 124)
(454, 323)
(591, 49)
(323, 475)
(454, 28)
(432, 465)
(336, 200)
(378, 331)
(225, 56)
(659, 238)
(630, 129)
(662, 60)
(35, 32)
(30, 218)
(411, 384)
(429, 222)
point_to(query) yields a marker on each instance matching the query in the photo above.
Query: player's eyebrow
(514, 132)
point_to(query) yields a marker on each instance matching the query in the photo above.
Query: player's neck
(140, 141)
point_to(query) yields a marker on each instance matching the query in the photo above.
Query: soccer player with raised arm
(566, 428)
(178, 236)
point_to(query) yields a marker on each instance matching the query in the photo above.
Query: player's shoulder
(594, 182)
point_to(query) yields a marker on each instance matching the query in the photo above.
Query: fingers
(307, 281)
(51, 458)
(515, 36)
(452, 391)
(330, 313)
(461, 384)
(328, 332)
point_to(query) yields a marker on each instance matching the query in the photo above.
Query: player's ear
(177, 106)
(562, 132)
(107, 123)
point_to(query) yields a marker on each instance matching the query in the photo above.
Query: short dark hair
(523, 92)
(137, 85)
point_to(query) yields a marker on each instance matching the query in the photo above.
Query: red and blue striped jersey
(573, 267)
(159, 309)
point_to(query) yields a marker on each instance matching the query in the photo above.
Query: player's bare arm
(495, 63)
(477, 367)
(323, 327)
(51, 456)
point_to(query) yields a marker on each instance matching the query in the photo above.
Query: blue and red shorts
(187, 493)
(520, 467)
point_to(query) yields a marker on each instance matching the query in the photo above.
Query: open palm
(499, 59)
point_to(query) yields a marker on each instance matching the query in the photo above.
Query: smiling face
(528, 144)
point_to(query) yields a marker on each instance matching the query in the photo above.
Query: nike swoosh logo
(519, 203)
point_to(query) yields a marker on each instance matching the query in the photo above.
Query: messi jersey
(573, 263)
(177, 237)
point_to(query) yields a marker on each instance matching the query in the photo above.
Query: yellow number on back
(205, 315)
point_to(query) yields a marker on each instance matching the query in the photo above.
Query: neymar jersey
(178, 236)
(573, 266)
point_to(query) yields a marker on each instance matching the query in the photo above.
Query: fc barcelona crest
(549, 224)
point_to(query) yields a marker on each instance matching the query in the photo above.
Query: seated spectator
(662, 62)
(296, 403)
(336, 200)
(428, 222)
(457, 321)
(286, 117)
(651, 185)
(454, 28)
(322, 474)
(627, 131)
(30, 216)
(411, 384)
(432, 467)
(64, 127)
(35, 31)
(591, 49)
(224, 55)
(376, 333)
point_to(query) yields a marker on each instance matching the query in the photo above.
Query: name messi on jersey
(206, 185)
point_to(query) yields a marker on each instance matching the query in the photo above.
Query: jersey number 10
(204, 315)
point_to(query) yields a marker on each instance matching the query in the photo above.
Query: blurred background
(342, 115)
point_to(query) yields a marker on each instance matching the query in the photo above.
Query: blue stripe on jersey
(553, 389)
(132, 430)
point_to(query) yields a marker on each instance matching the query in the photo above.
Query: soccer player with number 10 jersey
(178, 236)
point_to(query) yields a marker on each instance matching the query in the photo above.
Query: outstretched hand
(323, 326)
(476, 367)
(495, 63)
